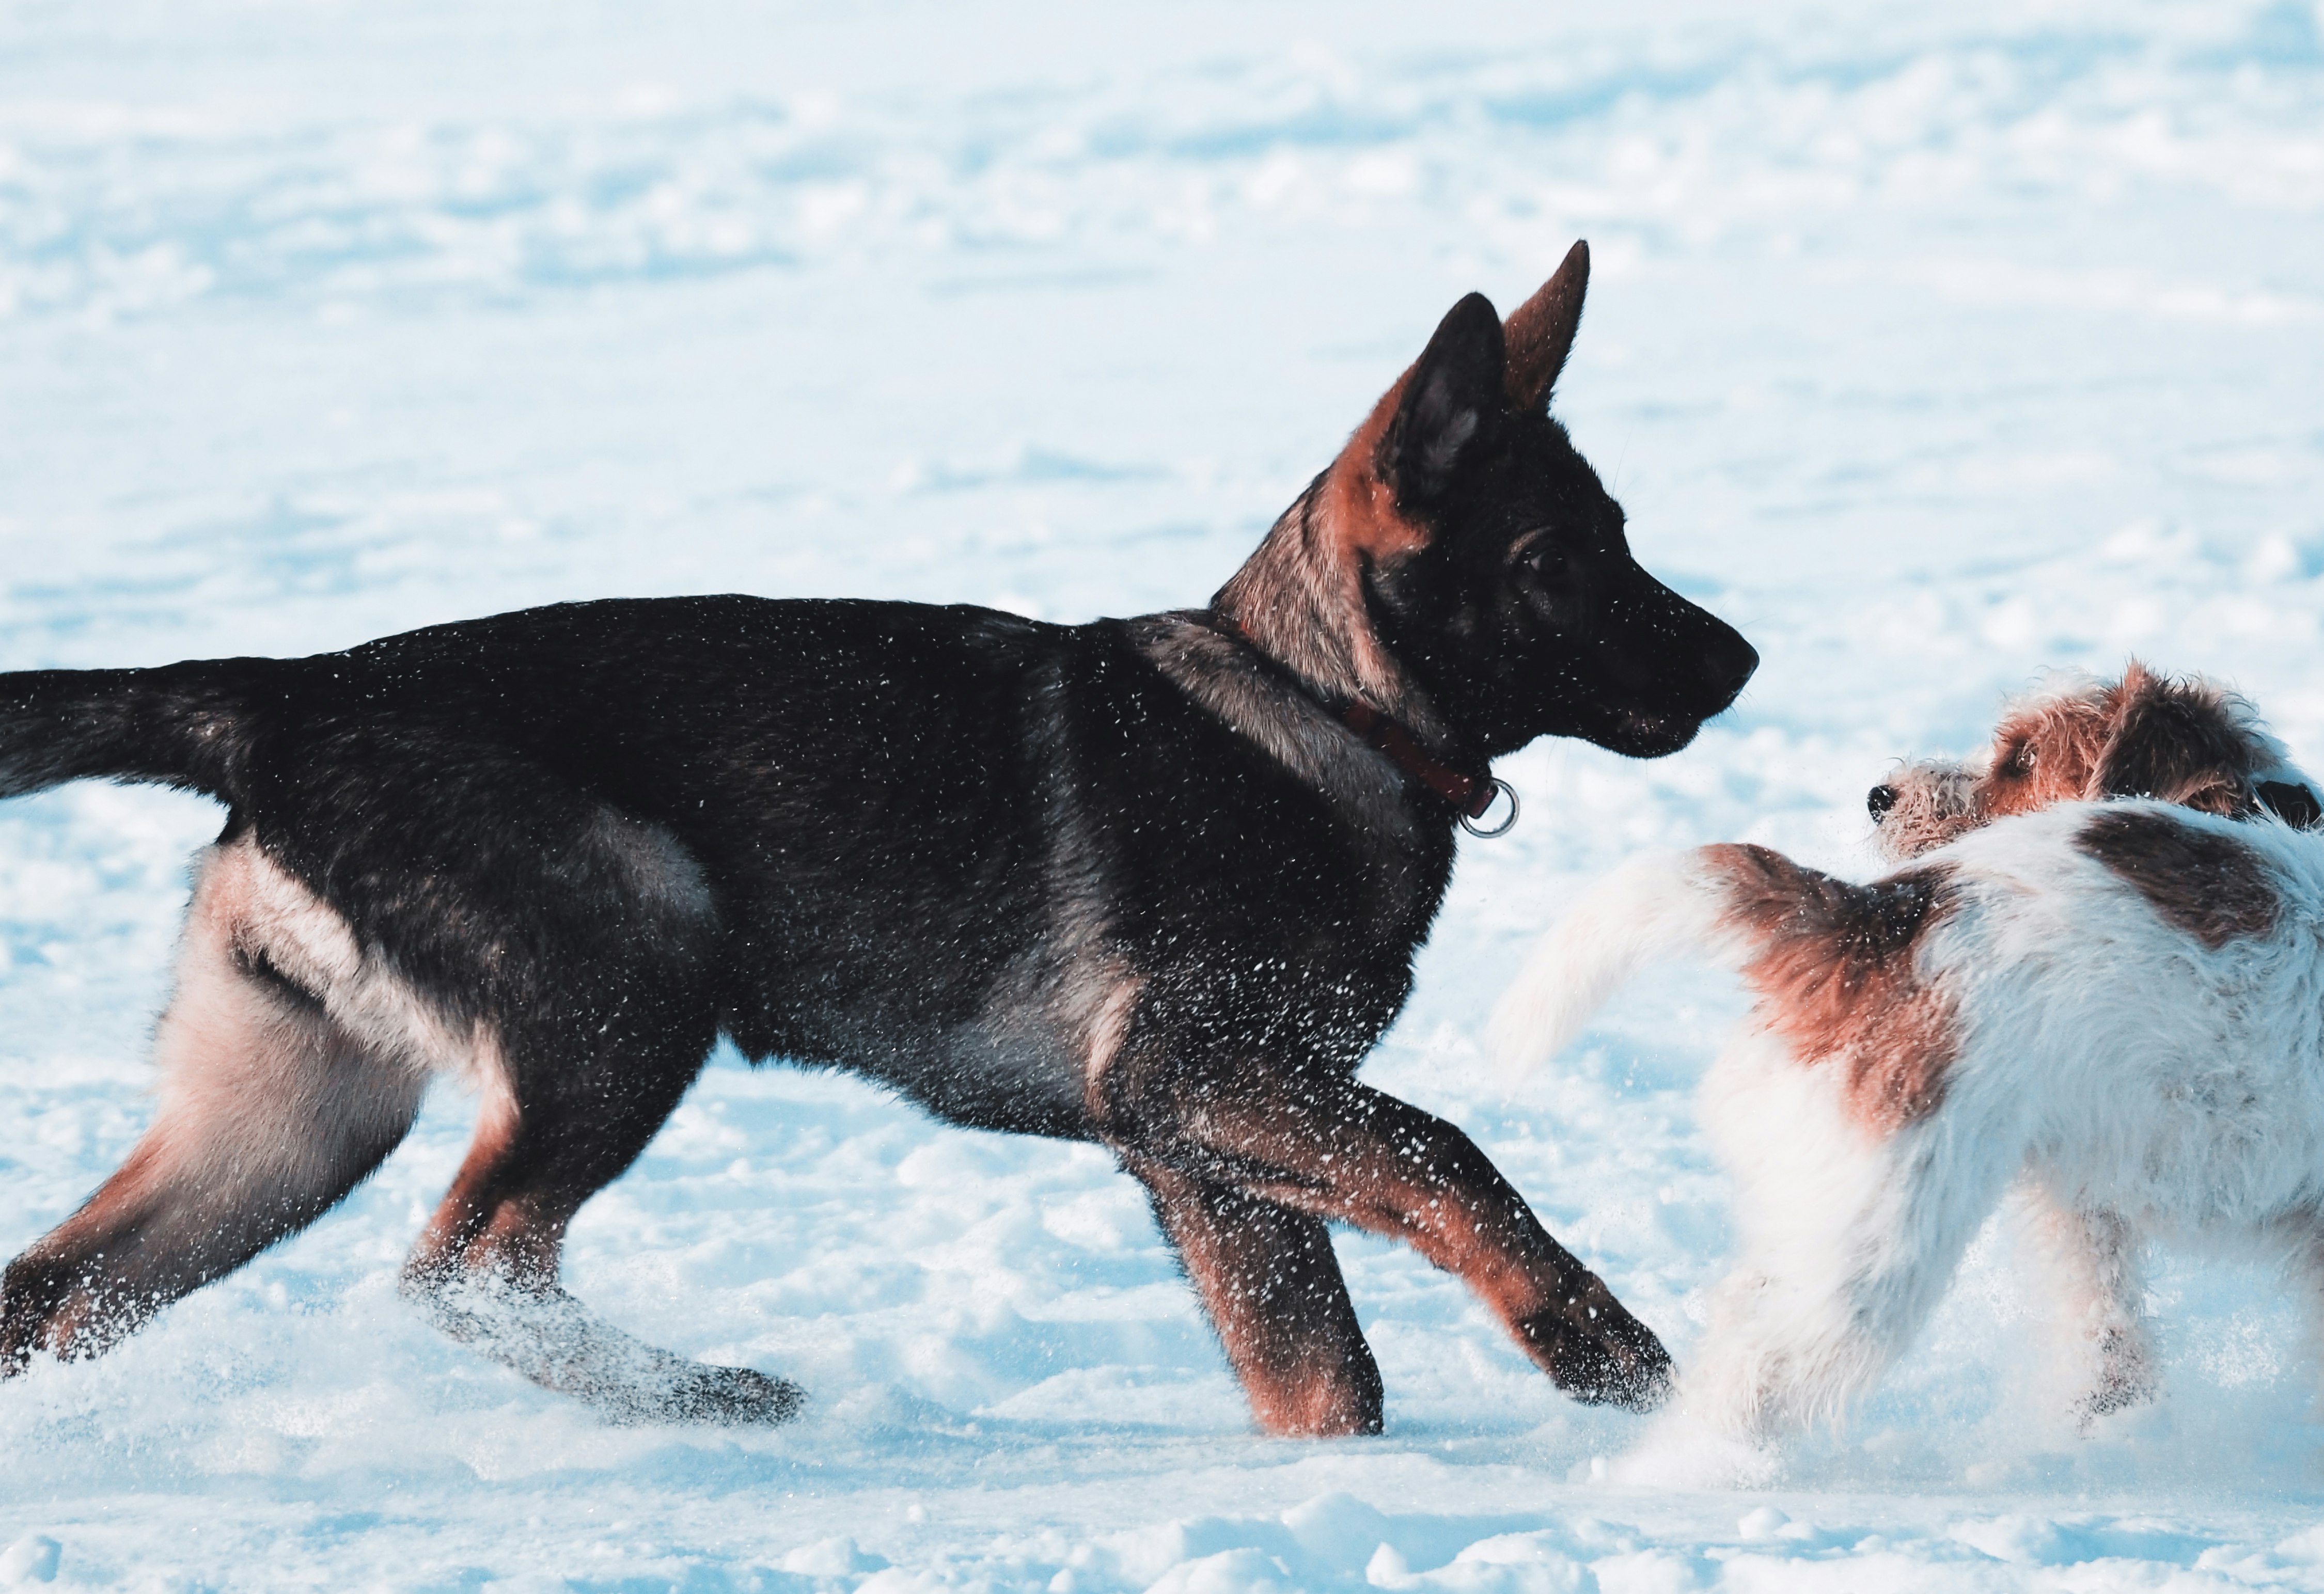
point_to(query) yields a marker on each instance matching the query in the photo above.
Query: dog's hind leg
(2301, 1232)
(486, 1270)
(270, 1110)
(601, 1032)
(2091, 1258)
(1849, 1238)
(1272, 1287)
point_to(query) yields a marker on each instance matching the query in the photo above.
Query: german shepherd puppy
(1154, 883)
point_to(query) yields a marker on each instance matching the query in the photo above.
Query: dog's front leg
(2092, 1254)
(1272, 1287)
(1346, 1153)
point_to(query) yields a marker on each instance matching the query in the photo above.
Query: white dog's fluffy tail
(1658, 906)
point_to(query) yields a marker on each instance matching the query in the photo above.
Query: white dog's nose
(1880, 800)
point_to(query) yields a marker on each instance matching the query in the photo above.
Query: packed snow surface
(1931, 345)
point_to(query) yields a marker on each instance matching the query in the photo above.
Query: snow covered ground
(1932, 345)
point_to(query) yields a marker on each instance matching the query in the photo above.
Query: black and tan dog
(1152, 882)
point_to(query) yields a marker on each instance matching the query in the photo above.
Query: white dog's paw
(1683, 1451)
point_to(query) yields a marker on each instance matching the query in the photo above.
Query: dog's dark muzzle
(1664, 666)
(1701, 668)
(1702, 662)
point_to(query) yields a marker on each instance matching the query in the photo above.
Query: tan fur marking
(1931, 803)
(1835, 971)
(271, 1110)
(1358, 510)
(2145, 735)
(1272, 1289)
(461, 1217)
(1300, 596)
(2041, 758)
(1222, 675)
(1108, 1026)
(2212, 887)
(274, 916)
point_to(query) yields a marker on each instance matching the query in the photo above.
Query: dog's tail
(1829, 958)
(1656, 908)
(186, 725)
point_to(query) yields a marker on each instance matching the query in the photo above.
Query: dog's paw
(2122, 1379)
(734, 1397)
(550, 1338)
(682, 1391)
(2111, 1397)
(1602, 1356)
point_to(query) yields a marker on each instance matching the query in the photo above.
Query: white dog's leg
(2302, 1234)
(2092, 1256)
(1849, 1238)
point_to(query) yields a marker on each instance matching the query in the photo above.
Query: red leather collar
(1469, 795)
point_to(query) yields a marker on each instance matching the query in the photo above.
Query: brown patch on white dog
(2176, 742)
(2210, 886)
(2046, 752)
(1836, 970)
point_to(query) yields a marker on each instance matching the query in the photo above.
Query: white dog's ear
(2291, 802)
(2175, 742)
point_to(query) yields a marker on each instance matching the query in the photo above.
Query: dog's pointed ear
(2174, 742)
(1540, 331)
(1451, 403)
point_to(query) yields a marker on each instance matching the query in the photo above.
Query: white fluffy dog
(2120, 1003)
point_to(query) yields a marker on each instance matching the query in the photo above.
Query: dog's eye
(1552, 586)
(1546, 565)
(2021, 760)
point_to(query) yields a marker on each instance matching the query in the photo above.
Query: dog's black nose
(1880, 799)
(1730, 667)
